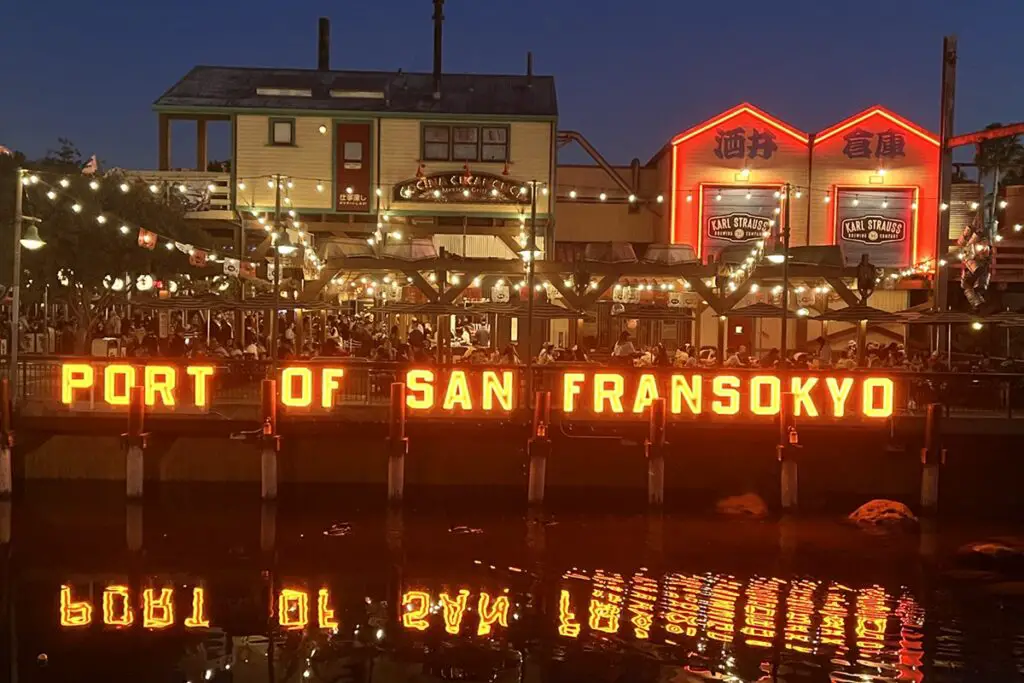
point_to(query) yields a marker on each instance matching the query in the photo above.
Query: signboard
(459, 187)
(736, 215)
(352, 172)
(430, 392)
(876, 222)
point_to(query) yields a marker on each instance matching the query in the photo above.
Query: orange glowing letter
(495, 389)
(110, 375)
(75, 376)
(73, 612)
(608, 388)
(571, 382)
(454, 610)
(416, 609)
(157, 612)
(329, 381)
(117, 609)
(726, 387)
(198, 617)
(324, 612)
(567, 624)
(199, 374)
(420, 385)
(305, 396)
(492, 610)
(690, 391)
(870, 406)
(801, 390)
(293, 609)
(646, 392)
(160, 379)
(839, 393)
(458, 392)
(757, 404)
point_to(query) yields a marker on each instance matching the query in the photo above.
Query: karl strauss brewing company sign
(460, 187)
(739, 227)
(312, 389)
(873, 229)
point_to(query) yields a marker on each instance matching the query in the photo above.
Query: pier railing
(234, 391)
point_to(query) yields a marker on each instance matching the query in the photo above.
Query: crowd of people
(145, 333)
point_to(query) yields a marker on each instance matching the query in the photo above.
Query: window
(284, 92)
(353, 151)
(464, 143)
(282, 131)
(495, 145)
(435, 143)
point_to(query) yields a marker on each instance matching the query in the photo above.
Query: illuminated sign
(461, 188)
(739, 227)
(873, 229)
(578, 394)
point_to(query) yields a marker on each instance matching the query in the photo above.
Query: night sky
(629, 74)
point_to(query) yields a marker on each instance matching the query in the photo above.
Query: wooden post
(538, 447)
(6, 439)
(135, 443)
(133, 525)
(932, 457)
(201, 147)
(398, 444)
(268, 526)
(270, 442)
(655, 450)
(787, 449)
(723, 333)
(164, 142)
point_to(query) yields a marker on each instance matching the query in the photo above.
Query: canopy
(758, 310)
(647, 312)
(934, 317)
(859, 313)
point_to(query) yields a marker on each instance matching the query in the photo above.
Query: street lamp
(284, 244)
(31, 240)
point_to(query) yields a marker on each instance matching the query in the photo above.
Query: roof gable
(744, 108)
(872, 112)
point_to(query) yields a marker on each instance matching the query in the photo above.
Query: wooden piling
(655, 451)
(270, 443)
(787, 450)
(932, 457)
(133, 525)
(538, 447)
(135, 443)
(398, 444)
(268, 526)
(6, 439)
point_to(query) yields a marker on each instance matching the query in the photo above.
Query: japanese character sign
(733, 144)
(888, 144)
(858, 144)
(762, 144)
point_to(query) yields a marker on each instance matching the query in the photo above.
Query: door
(352, 173)
(741, 333)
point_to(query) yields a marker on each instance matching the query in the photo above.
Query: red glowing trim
(675, 204)
(157, 611)
(868, 113)
(73, 613)
(198, 618)
(744, 108)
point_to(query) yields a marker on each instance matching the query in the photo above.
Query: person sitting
(546, 357)
(732, 359)
(624, 349)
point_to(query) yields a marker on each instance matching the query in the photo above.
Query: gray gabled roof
(482, 94)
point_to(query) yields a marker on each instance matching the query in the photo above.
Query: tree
(82, 256)
(996, 158)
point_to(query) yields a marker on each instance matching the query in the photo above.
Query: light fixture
(1018, 227)
(319, 187)
(544, 191)
(999, 238)
(943, 206)
(881, 172)
(101, 219)
(976, 326)
(284, 244)
(322, 129)
(777, 194)
(51, 195)
(974, 206)
(632, 198)
(572, 194)
(465, 193)
(802, 312)
(1003, 203)
(169, 246)
(749, 195)
(124, 229)
(241, 186)
(913, 206)
(349, 190)
(125, 187)
(437, 194)
(377, 191)
(855, 201)
(827, 199)
(64, 182)
(745, 173)
(661, 198)
(799, 194)
(603, 196)
(689, 196)
(776, 256)
(455, 279)
(885, 203)
(494, 192)
(396, 234)
(718, 197)
(76, 207)
(143, 283)
(153, 188)
(30, 239)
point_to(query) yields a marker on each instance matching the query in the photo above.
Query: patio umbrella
(758, 310)
(642, 312)
(861, 313)
(947, 318)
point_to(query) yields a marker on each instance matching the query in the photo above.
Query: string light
(76, 207)
(572, 194)
(603, 196)
(241, 186)
(93, 185)
(827, 199)
(154, 188)
(65, 183)
(689, 196)
(125, 229)
(660, 199)
(125, 187)
(51, 195)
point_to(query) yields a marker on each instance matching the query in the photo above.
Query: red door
(352, 167)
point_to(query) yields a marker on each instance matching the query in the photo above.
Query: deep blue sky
(629, 74)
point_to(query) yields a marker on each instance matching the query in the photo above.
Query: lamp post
(32, 241)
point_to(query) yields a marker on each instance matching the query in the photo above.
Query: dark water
(322, 587)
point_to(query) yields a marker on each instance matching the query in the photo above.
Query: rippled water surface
(321, 588)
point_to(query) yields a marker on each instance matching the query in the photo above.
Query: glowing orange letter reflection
(73, 612)
(75, 376)
(453, 610)
(415, 610)
(157, 612)
(567, 624)
(293, 609)
(324, 612)
(492, 610)
(420, 386)
(117, 609)
(198, 617)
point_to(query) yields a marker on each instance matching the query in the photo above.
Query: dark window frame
(480, 127)
(424, 142)
(507, 144)
(272, 123)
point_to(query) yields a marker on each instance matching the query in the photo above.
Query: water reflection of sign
(738, 227)
(873, 230)
(457, 187)
(479, 393)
